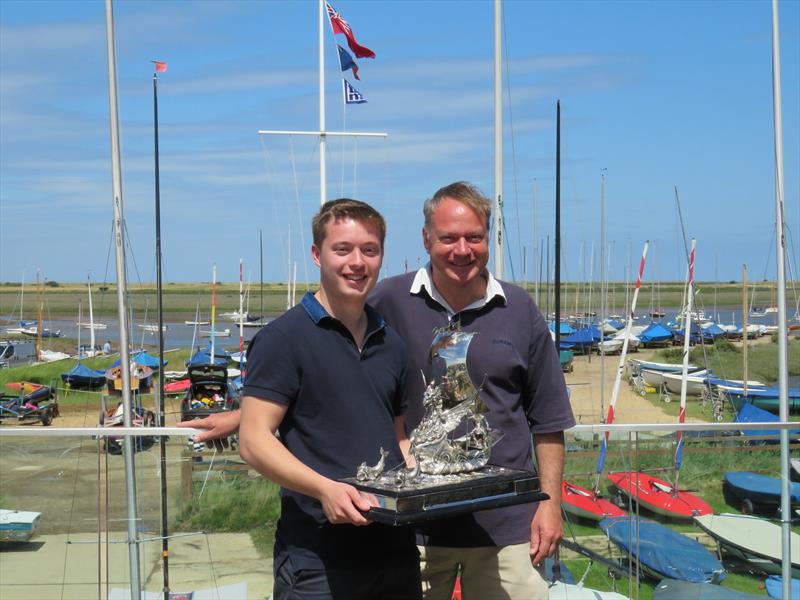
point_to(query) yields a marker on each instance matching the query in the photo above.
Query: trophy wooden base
(439, 496)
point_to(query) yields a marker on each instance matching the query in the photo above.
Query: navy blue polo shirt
(341, 405)
(514, 357)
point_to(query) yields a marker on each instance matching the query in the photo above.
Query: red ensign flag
(161, 67)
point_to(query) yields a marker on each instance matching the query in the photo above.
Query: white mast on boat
(91, 319)
(119, 246)
(687, 336)
(322, 133)
(497, 208)
(241, 307)
(780, 257)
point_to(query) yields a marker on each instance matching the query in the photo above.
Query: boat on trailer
(751, 540)
(659, 496)
(755, 492)
(662, 552)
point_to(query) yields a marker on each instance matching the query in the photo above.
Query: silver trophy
(450, 450)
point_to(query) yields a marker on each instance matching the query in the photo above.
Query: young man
(523, 386)
(514, 356)
(328, 376)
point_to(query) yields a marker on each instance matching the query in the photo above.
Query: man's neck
(457, 296)
(351, 314)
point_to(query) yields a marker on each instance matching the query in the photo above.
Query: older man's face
(457, 243)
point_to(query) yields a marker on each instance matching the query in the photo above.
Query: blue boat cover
(672, 589)
(752, 414)
(147, 360)
(760, 488)
(713, 331)
(203, 357)
(565, 329)
(82, 371)
(775, 587)
(663, 550)
(584, 336)
(656, 332)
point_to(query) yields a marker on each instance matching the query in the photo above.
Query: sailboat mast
(241, 306)
(687, 337)
(602, 287)
(780, 257)
(323, 192)
(39, 311)
(744, 328)
(213, 312)
(91, 318)
(557, 286)
(122, 293)
(497, 209)
(160, 314)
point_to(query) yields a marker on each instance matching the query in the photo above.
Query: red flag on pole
(339, 25)
(161, 67)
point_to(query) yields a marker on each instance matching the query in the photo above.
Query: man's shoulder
(515, 294)
(391, 287)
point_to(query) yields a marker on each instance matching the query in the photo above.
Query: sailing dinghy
(662, 552)
(756, 492)
(659, 496)
(752, 540)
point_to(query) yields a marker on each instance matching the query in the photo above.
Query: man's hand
(343, 503)
(546, 531)
(218, 428)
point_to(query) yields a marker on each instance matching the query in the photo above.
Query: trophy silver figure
(450, 450)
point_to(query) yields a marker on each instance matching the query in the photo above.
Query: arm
(262, 450)
(218, 427)
(546, 526)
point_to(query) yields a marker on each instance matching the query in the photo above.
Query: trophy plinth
(450, 448)
(437, 496)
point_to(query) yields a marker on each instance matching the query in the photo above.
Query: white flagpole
(323, 192)
(497, 208)
(783, 371)
(124, 354)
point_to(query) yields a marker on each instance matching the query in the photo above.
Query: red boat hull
(659, 496)
(580, 502)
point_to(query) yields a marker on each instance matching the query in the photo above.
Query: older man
(514, 357)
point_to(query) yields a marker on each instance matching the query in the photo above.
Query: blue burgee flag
(346, 61)
(351, 95)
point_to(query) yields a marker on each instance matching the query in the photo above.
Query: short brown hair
(463, 192)
(345, 208)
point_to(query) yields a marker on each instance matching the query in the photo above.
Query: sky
(655, 96)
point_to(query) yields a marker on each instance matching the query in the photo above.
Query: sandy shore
(584, 384)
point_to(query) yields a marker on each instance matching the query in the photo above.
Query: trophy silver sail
(450, 450)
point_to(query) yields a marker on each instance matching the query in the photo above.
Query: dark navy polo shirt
(341, 405)
(514, 357)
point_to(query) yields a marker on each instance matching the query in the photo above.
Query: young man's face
(349, 258)
(457, 243)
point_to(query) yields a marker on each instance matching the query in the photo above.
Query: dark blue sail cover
(664, 551)
(80, 374)
(760, 488)
(655, 332)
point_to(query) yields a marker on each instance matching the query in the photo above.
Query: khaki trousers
(493, 573)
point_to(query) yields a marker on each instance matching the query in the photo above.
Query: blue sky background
(660, 94)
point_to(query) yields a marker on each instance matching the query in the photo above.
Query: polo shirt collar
(317, 313)
(423, 280)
